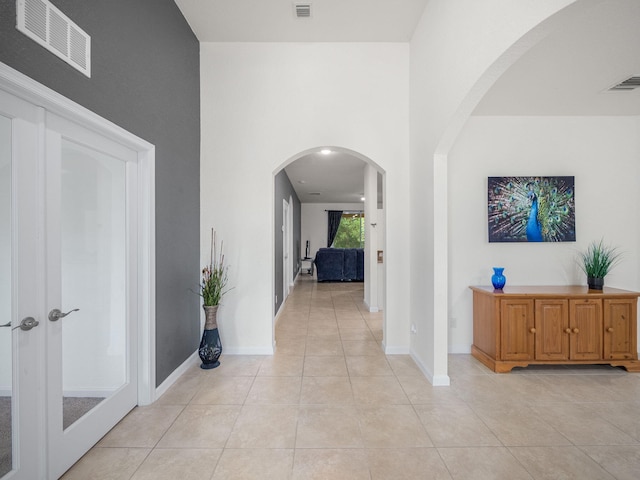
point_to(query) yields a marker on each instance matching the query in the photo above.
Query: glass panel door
(91, 288)
(94, 280)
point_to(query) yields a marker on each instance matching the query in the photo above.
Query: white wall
(264, 104)
(457, 51)
(604, 156)
(314, 222)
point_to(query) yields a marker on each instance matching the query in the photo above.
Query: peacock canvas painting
(531, 209)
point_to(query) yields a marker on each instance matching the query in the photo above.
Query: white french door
(91, 300)
(22, 444)
(69, 288)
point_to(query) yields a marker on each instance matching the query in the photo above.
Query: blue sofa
(340, 264)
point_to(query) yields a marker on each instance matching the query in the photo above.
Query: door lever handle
(56, 314)
(26, 324)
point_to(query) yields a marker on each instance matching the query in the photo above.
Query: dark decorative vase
(210, 345)
(498, 279)
(595, 283)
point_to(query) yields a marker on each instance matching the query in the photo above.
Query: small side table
(309, 264)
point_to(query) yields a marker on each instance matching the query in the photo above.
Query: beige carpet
(5, 435)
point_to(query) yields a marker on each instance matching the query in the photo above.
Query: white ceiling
(274, 20)
(337, 177)
(565, 74)
(568, 72)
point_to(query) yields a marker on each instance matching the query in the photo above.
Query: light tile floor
(330, 405)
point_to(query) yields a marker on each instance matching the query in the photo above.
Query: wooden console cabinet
(521, 326)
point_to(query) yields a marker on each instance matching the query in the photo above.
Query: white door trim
(290, 243)
(285, 250)
(28, 89)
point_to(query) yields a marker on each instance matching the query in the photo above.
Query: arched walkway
(375, 283)
(431, 343)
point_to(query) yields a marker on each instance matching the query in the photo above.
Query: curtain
(334, 222)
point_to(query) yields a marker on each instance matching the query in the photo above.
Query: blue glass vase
(498, 279)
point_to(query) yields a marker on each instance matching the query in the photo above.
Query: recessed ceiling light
(362, 199)
(325, 151)
(302, 182)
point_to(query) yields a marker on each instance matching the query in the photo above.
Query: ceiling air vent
(302, 10)
(314, 193)
(629, 84)
(41, 21)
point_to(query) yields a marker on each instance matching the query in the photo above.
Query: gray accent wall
(146, 79)
(284, 190)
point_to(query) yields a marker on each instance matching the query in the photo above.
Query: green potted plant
(212, 289)
(596, 261)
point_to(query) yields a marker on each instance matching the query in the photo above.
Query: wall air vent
(41, 21)
(302, 10)
(628, 84)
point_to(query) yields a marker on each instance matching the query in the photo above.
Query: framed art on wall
(531, 209)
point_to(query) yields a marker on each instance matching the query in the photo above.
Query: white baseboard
(278, 313)
(370, 308)
(460, 349)
(441, 381)
(194, 359)
(395, 350)
(437, 380)
(284, 301)
(247, 350)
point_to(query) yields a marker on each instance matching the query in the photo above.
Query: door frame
(25, 88)
(286, 252)
(290, 263)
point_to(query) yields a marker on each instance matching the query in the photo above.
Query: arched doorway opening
(306, 186)
(454, 304)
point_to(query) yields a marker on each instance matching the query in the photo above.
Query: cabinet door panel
(585, 321)
(620, 329)
(517, 323)
(552, 321)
